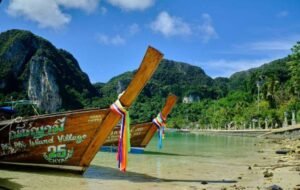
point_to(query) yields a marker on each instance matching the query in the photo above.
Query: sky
(109, 37)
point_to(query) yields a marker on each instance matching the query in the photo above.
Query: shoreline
(278, 133)
(259, 168)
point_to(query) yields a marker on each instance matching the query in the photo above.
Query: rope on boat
(16, 120)
(124, 138)
(160, 123)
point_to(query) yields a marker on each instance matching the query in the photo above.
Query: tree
(294, 67)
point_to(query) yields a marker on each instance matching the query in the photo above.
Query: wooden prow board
(171, 101)
(138, 131)
(149, 64)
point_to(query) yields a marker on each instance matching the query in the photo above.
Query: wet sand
(245, 168)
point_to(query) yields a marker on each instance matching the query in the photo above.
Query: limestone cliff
(32, 68)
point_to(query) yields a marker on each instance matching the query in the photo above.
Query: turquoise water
(205, 145)
(187, 161)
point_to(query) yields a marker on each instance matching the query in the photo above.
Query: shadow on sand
(99, 172)
(7, 184)
(102, 173)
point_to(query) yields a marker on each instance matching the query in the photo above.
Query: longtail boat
(142, 133)
(68, 140)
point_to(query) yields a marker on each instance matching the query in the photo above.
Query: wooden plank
(138, 133)
(30, 140)
(171, 101)
(148, 66)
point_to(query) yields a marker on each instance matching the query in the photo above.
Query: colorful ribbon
(160, 123)
(124, 138)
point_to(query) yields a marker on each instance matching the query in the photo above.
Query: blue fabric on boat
(7, 109)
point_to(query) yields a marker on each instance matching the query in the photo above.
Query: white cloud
(174, 26)
(225, 68)
(48, 13)
(110, 40)
(103, 10)
(45, 13)
(130, 5)
(272, 45)
(86, 5)
(283, 14)
(279, 46)
(170, 26)
(134, 29)
(207, 31)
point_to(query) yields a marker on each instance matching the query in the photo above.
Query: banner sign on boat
(39, 132)
(58, 154)
(25, 136)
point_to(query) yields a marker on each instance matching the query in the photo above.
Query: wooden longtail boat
(68, 140)
(141, 133)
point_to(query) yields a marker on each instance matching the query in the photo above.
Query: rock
(249, 168)
(297, 187)
(42, 85)
(32, 68)
(274, 187)
(190, 99)
(283, 151)
(267, 174)
(280, 160)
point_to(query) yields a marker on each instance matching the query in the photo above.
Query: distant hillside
(244, 80)
(32, 68)
(179, 78)
(184, 80)
(219, 102)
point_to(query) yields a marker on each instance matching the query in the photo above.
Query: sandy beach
(257, 167)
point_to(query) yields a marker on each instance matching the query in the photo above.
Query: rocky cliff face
(190, 99)
(32, 68)
(42, 86)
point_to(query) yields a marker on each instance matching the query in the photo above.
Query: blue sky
(109, 37)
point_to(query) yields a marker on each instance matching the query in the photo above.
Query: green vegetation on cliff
(255, 97)
(32, 68)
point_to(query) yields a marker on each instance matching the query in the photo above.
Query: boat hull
(55, 141)
(137, 135)
(133, 150)
(69, 139)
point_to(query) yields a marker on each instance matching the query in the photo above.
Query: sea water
(186, 161)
